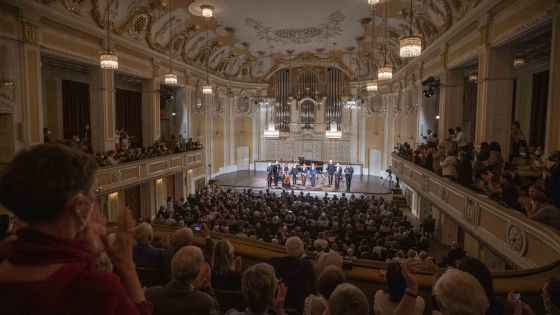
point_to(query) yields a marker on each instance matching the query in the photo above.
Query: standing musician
(285, 176)
(338, 176)
(303, 175)
(294, 173)
(275, 173)
(330, 171)
(348, 171)
(313, 175)
(269, 175)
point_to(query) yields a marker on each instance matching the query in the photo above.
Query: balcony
(116, 177)
(509, 234)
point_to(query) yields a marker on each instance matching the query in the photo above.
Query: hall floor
(361, 184)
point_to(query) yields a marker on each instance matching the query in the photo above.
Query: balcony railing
(510, 234)
(116, 177)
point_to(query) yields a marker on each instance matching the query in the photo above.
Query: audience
(181, 238)
(550, 297)
(49, 268)
(179, 296)
(145, 255)
(478, 270)
(261, 291)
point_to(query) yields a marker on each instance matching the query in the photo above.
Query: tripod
(389, 180)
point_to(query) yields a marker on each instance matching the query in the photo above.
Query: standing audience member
(226, 267)
(179, 297)
(478, 270)
(145, 255)
(550, 296)
(347, 299)
(261, 291)
(181, 238)
(464, 170)
(329, 279)
(448, 165)
(438, 157)
(461, 140)
(386, 301)
(457, 293)
(50, 268)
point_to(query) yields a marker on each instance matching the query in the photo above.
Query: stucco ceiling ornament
(376, 105)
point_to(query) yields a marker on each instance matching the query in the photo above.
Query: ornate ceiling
(269, 35)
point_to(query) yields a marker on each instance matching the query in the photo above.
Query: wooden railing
(116, 177)
(524, 242)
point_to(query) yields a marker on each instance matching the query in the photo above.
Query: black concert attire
(349, 171)
(330, 171)
(338, 177)
(294, 173)
(313, 176)
(275, 171)
(269, 176)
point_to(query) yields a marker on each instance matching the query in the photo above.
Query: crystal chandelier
(207, 10)
(373, 2)
(411, 46)
(207, 88)
(108, 60)
(170, 78)
(385, 72)
(271, 132)
(333, 132)
(371, 87)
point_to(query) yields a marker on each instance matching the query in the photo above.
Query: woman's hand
(407, 269)
(93, 233)
(120, 250)
(515, 304)
(203, 279)
(238, 262)
(280, 298)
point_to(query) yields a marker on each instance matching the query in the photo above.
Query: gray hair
(186, 263)
(182, 237)
(294, 247)
(450, 292)
(347, 299)
(258, 286)
(143, 233)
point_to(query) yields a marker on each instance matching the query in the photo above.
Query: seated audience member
(544, 212)
(329, 279)
(438, 157)
(179, 297)
(347, 299)
(495, 161)
(296, 272)
(145, 255)
(478, 270)
(386, 301)
(50, 269)
(261, 291)
(464, 170)
(458, 293)
(226, 267)
(550, 295)
(181, 238)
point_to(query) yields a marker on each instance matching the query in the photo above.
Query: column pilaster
(102, 109)
(151, 130)
(553, 114)
(32, 95)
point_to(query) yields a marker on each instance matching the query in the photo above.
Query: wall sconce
(113, 196)
(159, 181)
(8, 84)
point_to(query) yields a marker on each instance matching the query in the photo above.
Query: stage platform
(361, 184)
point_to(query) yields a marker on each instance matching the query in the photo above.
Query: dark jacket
(176, 298)
(297, 274)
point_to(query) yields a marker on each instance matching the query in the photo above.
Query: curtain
(129, 114)
(75, 108)
(539, 103)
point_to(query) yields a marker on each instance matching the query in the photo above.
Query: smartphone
(197, 228)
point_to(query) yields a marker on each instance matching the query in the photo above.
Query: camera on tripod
(389, 171)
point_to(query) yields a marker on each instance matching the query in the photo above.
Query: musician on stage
(275, 173)
(338, 176)
(348, 171)
(294, 172)
(269, 175)
(313, 175)
(330, 171)
(304, 173)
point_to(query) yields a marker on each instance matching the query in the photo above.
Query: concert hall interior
(166, 149)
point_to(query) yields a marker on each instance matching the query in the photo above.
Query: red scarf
(33, 247)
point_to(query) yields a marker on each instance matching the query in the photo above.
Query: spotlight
(428, 80)
(429, 92)
(437, 116)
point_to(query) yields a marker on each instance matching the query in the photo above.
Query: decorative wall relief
(8, 62)
(197, 101)
(443, 193)
(472, 212)
(516, 239)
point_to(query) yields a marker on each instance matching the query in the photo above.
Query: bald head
(143, 233)
(182, 237)
(186, 264)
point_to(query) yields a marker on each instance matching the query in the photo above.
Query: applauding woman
(50, 268)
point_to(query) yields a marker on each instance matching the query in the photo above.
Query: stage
(361, 184)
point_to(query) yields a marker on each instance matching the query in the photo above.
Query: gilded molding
(30, 32)
(516, 239)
